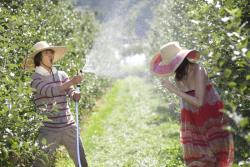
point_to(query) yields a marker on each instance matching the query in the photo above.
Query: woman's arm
(70, 91)
(200, 86)
(49, 90)
(74, 81)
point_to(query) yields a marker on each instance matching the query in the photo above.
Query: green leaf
(232, 84)
(227, 72)
(244, 122)
(248, 77)
(44, 141)
(248, 54)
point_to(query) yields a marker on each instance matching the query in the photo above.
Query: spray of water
(118, 49)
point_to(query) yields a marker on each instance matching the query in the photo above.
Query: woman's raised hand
(76, 79)
(169, 85)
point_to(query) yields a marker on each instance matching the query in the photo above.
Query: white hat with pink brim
(170, 57)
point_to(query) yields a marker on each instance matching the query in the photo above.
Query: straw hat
(41, 46)
(170, 57)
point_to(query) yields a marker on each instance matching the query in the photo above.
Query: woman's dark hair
(38, 59)
(182, 70)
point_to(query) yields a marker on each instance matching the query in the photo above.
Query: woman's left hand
(170, 86)
(76, 96)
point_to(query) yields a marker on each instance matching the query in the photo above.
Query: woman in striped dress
(52, 89)
(206, 142)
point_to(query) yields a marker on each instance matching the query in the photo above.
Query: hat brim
(161, 69)
(59, 52)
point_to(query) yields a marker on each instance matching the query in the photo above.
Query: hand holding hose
(76, 79)
(76, 96)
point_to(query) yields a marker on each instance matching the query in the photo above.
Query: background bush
(22, 24)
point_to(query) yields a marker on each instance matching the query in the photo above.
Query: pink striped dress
(205, 141)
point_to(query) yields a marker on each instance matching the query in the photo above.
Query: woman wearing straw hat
(51, 88)
(204, 139)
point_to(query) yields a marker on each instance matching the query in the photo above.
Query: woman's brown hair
(182, 70)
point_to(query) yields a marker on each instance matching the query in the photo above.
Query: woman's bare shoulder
(200, 72)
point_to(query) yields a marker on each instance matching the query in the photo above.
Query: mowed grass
(131, 127)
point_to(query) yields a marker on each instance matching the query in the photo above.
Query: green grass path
(132, 127)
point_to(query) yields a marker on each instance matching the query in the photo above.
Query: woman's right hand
(169, 85)
(76, 79)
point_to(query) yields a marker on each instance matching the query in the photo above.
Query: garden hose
(77, 129)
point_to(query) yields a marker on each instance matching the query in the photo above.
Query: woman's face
(48, 57)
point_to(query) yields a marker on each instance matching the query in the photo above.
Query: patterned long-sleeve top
(50, 100)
